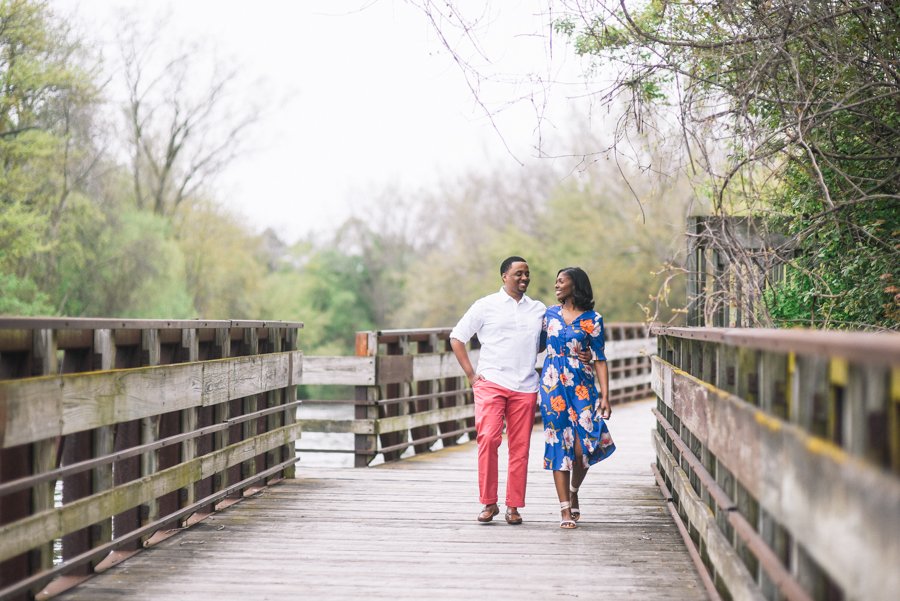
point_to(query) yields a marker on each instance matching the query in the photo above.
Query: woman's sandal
(487, 513)
(576, 512)
(566, 524)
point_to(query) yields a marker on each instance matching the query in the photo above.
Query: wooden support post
(222, 410)
(18, 462)
(190, 418)
(127, 435)
(290, 395)
(272, 398)
(424, 387)
(104, 436)
(838, 375)
(78, 446)
(394, 390)
(812, 394)
(694, 264)
(150, 353)
(748, 375)
(773, 380)
(725, 480)
(366, 445)
(249, 404)
(44, 453)
(876, 406)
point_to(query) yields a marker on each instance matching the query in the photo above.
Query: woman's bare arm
(602, 372)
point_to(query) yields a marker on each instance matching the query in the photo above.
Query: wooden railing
(115, 432)
(780, 450)
(112, 431)
(410, 392)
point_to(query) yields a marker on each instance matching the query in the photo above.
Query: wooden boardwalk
(407, 530)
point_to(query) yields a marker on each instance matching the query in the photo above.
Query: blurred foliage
(128, 266)
(223, 261)
(595, 223)
(328, 295)
(791, 111)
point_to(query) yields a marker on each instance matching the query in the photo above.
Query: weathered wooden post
(366, 445)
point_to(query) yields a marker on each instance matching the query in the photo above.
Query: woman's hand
(605, 409)
(475, 378)
(584, 355)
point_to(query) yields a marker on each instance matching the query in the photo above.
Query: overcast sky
(361, 95)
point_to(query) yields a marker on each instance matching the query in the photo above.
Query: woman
(574, 415)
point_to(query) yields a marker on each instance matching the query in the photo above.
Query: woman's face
(564, 287)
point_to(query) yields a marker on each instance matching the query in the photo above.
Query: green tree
(132, 267)
(326, 289)
(223, 261)
(790, 109)
(45, 99)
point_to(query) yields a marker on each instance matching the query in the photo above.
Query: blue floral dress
(570, 400)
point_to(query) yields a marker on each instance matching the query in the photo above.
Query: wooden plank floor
(407, 530)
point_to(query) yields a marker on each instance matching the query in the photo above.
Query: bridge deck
(407, 531)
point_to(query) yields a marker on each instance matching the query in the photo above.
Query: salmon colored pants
(493, 403)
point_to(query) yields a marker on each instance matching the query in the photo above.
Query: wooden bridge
(767, 467)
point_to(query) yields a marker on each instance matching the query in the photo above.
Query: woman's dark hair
(582, 293)
(508, 261)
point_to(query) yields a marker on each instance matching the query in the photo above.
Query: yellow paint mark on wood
(789, 386)
(710, 387)
(820, 446)
(768, 421)
(895, 384)
(839, 371)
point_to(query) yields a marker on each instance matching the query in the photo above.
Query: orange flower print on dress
(587, 325)
(557, 403)
(581, 392)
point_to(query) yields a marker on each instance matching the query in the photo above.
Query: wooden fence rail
(410, 391)
(113, 430)
(781, 449)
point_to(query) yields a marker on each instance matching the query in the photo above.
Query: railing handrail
(755, 426)
(110, 323)
(882, 348)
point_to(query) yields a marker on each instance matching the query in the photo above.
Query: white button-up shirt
(509, 332)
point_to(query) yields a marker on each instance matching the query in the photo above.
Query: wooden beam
(352, 371)
(39, 528)
(426, 418)
(46, 407)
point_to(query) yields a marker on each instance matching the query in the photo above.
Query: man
(508, 324)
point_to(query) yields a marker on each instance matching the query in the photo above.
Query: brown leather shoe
(487, 513)
(512, 516)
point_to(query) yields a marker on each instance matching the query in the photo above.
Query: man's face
(516, 279)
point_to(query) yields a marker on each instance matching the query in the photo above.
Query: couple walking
(513, 329)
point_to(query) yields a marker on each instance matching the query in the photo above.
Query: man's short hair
(508, 261)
